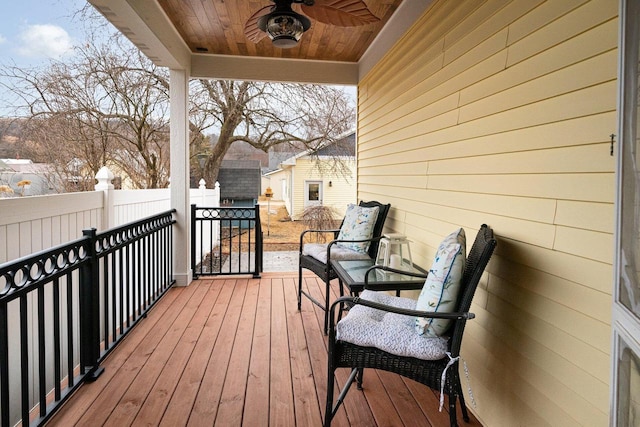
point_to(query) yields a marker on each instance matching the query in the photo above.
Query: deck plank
(233, 393)
(137, 340)
(129, 403)
(281, 405)
(154, 406)
(179, 407)
(256, 413)
(205, 408)
(307, 409)
(236, 351)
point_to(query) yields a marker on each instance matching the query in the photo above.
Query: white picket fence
(32, 224)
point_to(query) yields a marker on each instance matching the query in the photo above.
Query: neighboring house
(39, 178)
(277, 180)
(326, 178)
(239, 182)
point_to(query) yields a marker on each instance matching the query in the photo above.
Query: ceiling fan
(285, 26)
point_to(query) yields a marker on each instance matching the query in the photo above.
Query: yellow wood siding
(337, 196)
(500, 112)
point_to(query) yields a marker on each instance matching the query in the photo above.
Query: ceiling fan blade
(342, 13)
(251, 30)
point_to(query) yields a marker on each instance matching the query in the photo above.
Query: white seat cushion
(393, 333)
(319, 252)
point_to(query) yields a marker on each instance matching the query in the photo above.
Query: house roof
(207, 37)
(345, 146)
(239, 179)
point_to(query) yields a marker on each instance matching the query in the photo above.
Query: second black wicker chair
(323, 269)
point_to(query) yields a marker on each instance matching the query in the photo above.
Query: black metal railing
(64, 309)
(226, 240)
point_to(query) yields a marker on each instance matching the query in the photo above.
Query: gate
(226, 240)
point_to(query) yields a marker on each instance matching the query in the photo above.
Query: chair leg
(341, 309)
(299, 286)
(328, 413)
(359, 378)
(452, 412)
(463, 406)
(326, 304)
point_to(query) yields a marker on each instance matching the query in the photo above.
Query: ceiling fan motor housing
(283, 25)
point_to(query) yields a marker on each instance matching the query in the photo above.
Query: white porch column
(105, 184)
(179, 110)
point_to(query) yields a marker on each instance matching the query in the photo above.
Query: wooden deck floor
(236, 351)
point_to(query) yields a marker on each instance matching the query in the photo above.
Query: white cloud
(46, 40)
(2, 39)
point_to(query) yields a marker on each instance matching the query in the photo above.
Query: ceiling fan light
(284, 28)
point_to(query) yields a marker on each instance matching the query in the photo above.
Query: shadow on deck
(236, 351)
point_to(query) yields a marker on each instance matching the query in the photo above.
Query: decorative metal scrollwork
(34, 269)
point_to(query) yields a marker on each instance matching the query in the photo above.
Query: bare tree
(102, 107)
(266, 115)
(108, 105)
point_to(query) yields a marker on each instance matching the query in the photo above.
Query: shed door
(312, 193)
(625, 384)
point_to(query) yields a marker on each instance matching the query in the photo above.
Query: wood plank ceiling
(217, 27)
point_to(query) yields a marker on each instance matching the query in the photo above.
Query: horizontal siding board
(506, 378)
(580, 20)
(488, 58)
(404, 116)
(406, 169)
(546, 12)
(517, 358)
(415, 46)
(530, 209)
(398, 181)
(398, 141)
(580, 131)
(594, 275)
(585, 158)
(595, 187)
(586, 243)
(590, 101)
(523, 208)
(557, 368)
(592, 43)
(596, 70)
(586, 215)
(495, 17)
(588, 301)
(498, 390)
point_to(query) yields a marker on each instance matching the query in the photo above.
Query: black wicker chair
(428, 372)
(324, 270)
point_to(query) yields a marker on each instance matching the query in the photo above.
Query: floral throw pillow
(358, 225)
(441, 289)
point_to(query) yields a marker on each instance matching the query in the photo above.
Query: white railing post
(216, 195)
(105, 184)
(202, 186)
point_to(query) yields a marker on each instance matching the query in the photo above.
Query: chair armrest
(304, 233)
(351, 301)
(403, 311)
